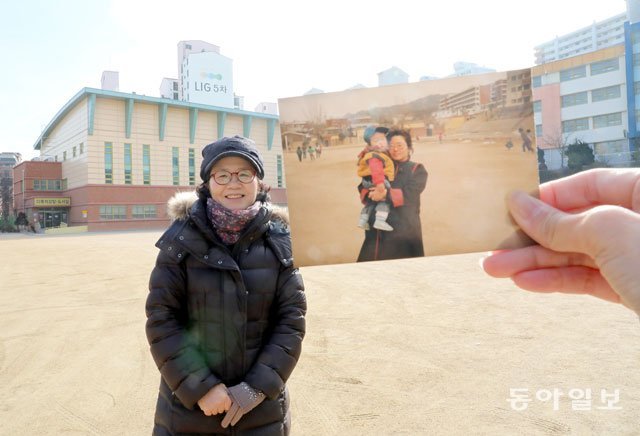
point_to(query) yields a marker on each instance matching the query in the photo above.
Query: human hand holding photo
(588, 228)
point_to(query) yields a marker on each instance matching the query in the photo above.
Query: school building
(583, 98)
(111, 160)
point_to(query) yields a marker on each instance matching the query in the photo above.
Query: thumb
(547, 225)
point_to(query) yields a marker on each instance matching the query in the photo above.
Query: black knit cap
(230, 146)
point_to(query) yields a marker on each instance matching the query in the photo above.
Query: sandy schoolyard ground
(417, 347)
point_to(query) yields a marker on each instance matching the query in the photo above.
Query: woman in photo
(405, 240)
(225, 312)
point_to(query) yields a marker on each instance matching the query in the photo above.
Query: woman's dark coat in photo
(405, 240)
(221, 316)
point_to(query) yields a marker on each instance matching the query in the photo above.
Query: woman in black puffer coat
(225, 312)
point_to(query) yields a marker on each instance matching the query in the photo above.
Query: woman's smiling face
(234, 195)
(398, 148)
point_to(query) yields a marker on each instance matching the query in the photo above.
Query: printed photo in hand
(408, 170)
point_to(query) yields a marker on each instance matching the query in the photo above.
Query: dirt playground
(426, 346)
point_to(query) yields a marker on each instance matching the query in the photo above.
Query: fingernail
(481, 261)
(522, 204)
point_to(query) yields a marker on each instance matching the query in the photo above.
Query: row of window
(579, 72)
(599, 121)
(175, 163)
(146, 164)
(520, 88)
(49, 185)
(578, 98)
(76, 150)
(120, 212)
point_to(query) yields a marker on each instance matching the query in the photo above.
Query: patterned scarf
(229, 224)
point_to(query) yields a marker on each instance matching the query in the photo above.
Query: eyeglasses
(223, 177)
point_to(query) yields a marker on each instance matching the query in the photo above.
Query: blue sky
(52, 49)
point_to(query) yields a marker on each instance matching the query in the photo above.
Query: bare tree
(6, 197)
(560, 141)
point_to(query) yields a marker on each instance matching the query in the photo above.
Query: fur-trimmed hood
(179, 205)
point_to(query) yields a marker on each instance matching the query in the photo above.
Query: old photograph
(408, 170)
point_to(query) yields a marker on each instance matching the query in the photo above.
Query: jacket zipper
(224, 335)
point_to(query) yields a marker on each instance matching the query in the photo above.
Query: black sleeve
(175, 353)
(280, 354)
(409, 193)
(416, 184)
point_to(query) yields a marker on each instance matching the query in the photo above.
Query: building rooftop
(85, 92)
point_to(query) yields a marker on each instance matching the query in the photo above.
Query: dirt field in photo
(426, 346)
(462, 207)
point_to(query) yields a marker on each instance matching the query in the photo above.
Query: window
(537, 106)
(573, 73)
(575, 125)
(75, 150)
(56, 158)
(192, 167)
(609, 147)
(574, 99)
(175, 95)
(536, 81)
(604, 66)
(146, 164)
(636, 60)
(605, 93)
(538, 130)
(145, 211)
(113, 212)
(81, 147)
(127, 164)
(64, 156)
(607, 120)
(279, 170)
(175, 86)
(175, 163)
(108, 163)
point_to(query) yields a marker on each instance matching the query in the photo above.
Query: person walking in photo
(526, 140)
(226, 306)
(299, 153)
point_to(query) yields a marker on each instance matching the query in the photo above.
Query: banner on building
(55, 202)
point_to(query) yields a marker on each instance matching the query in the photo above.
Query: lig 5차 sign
(210, 79)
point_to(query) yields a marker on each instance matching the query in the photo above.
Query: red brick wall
(91, 197)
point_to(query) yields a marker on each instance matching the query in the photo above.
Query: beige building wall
(69, 134)
(109, 126)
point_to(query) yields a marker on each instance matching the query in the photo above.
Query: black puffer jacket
(215, 315)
